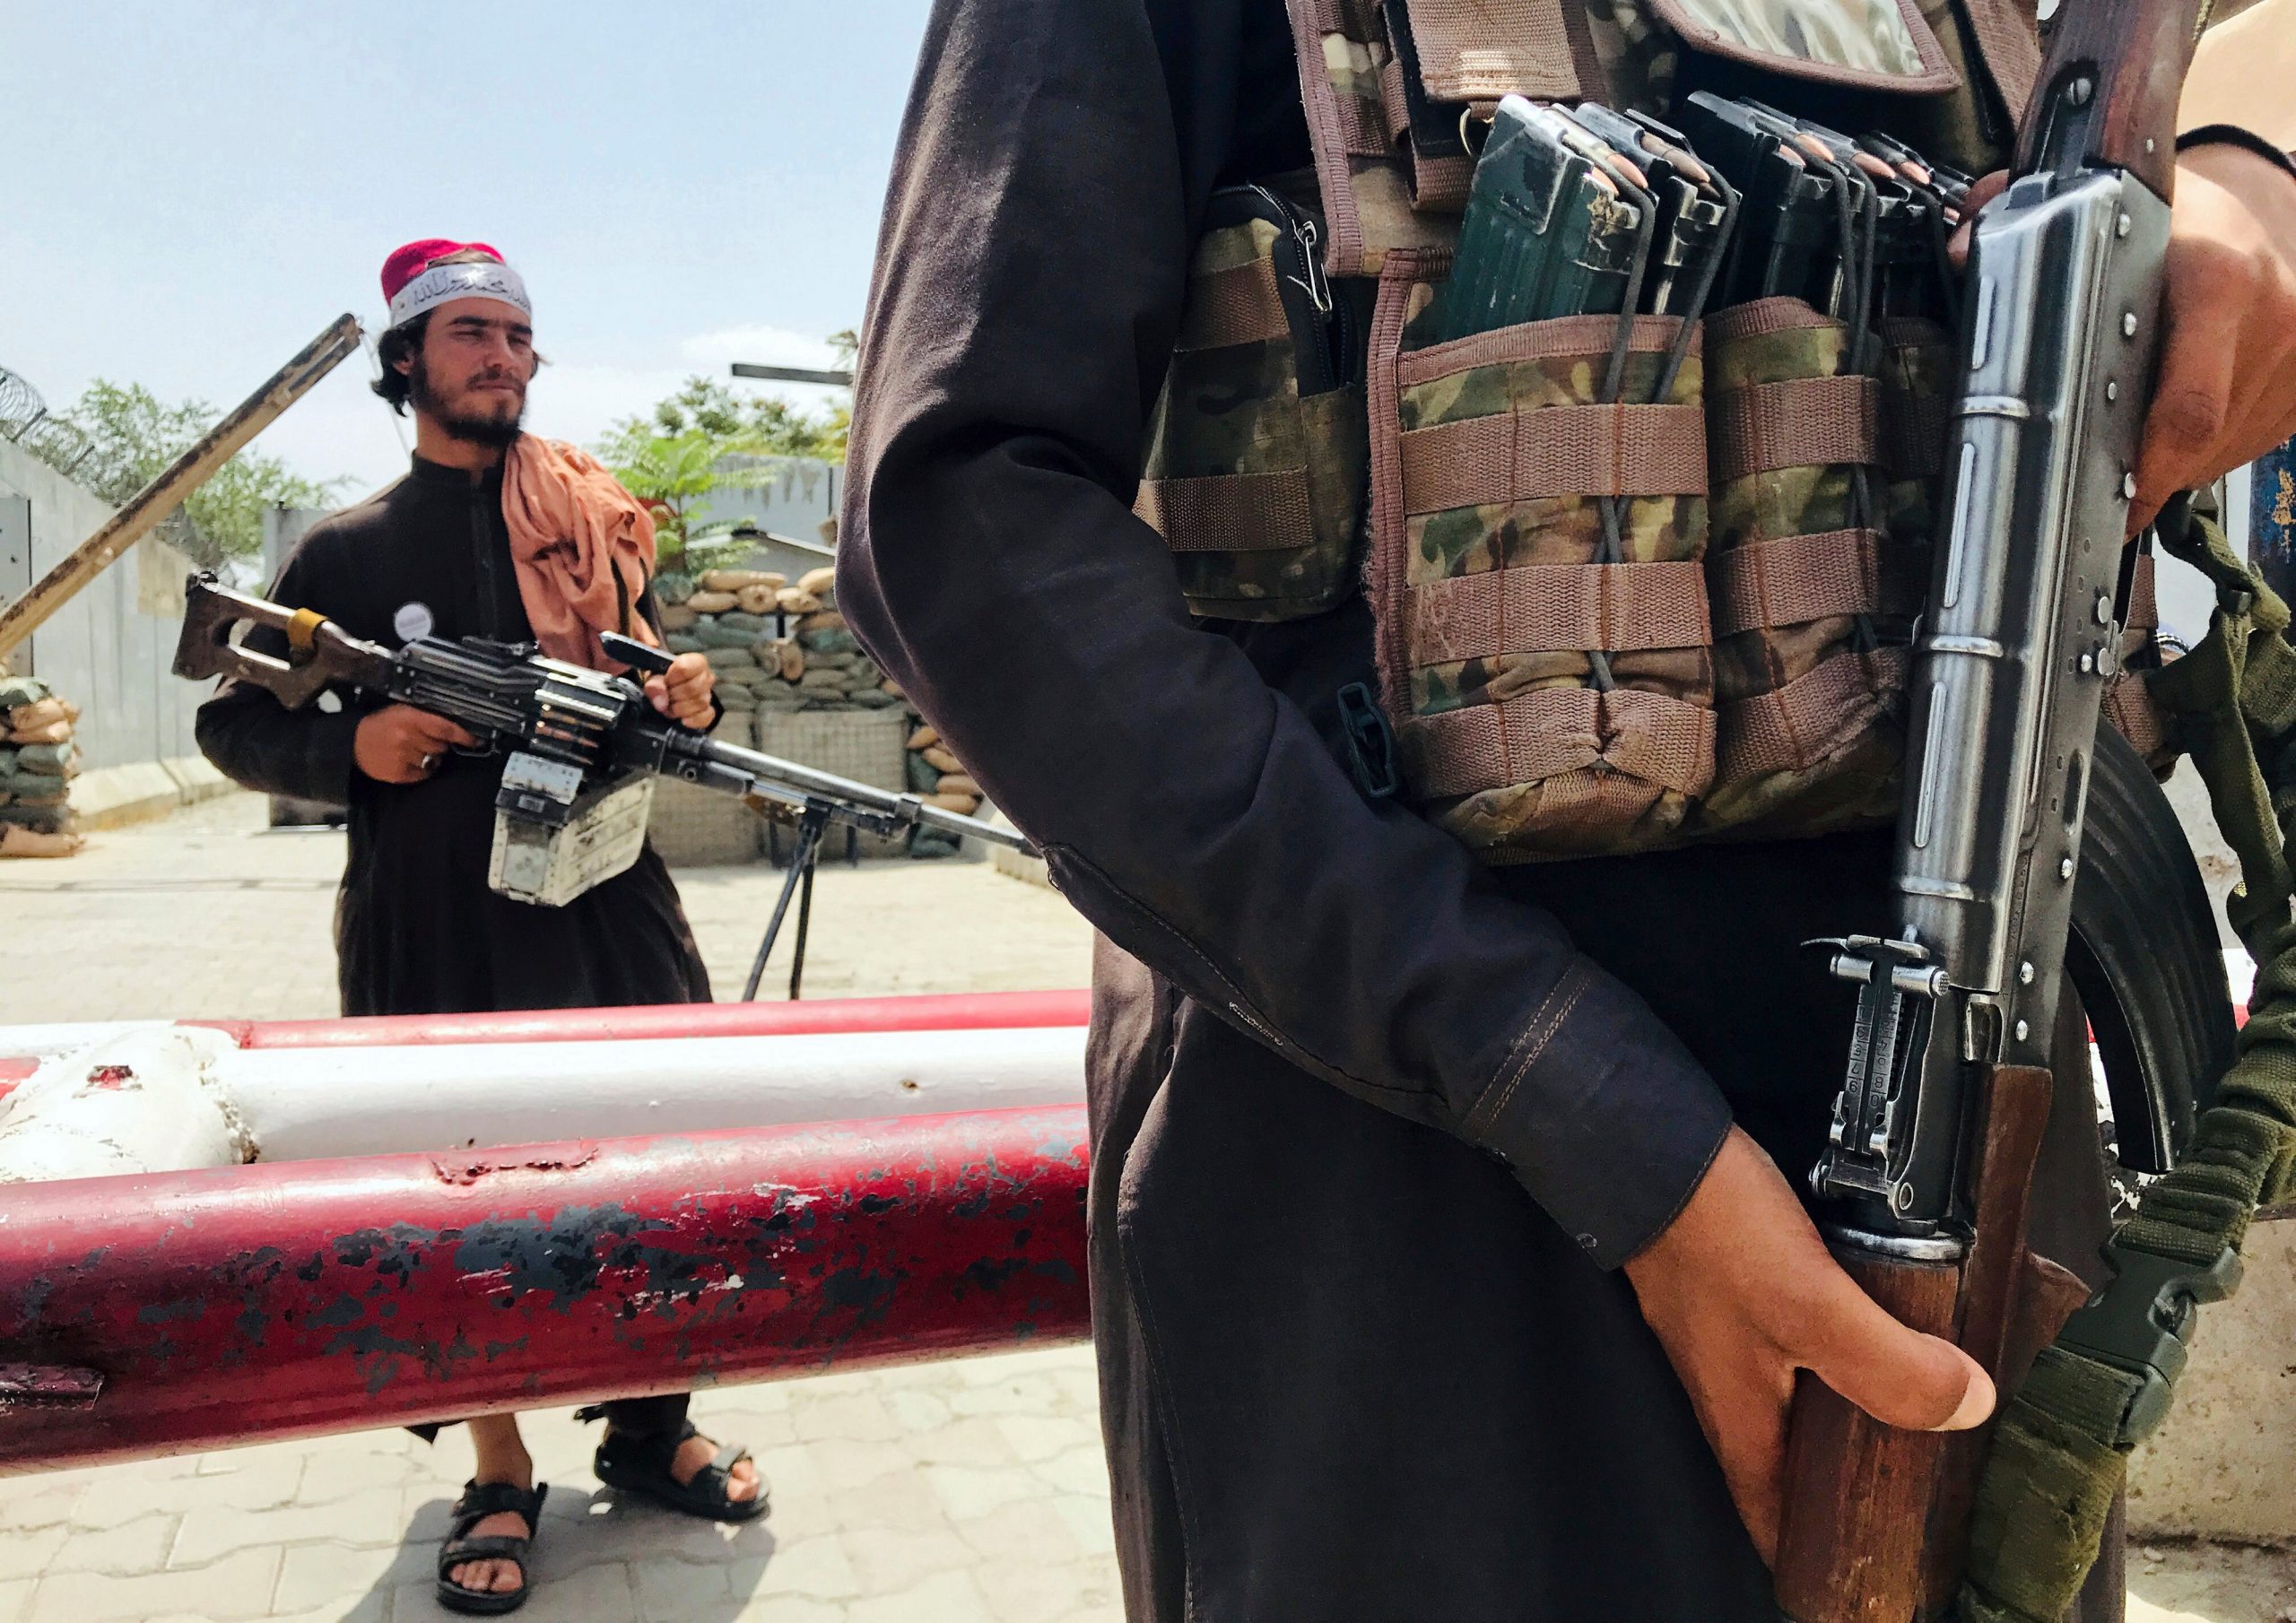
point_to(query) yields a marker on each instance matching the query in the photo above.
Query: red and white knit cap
(414, 284)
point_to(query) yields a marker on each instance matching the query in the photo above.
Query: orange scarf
(584, 548)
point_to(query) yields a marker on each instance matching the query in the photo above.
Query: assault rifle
(580, 748)
(1935, 1135)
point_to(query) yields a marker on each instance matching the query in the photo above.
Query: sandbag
(49, 760)
(42, 713)
(16, 840)
(742, 580)
(794, 600)
(821, 582)
(712, 603)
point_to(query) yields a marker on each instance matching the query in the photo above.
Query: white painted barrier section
(305, 1104)
(147, 1099)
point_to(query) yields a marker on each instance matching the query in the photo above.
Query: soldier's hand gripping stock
(1741, 1292)
(1741, 1289)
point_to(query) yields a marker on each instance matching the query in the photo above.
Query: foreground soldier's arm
(1028, 293)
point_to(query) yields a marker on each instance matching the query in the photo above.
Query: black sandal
(481, 1500)
(641, 1465)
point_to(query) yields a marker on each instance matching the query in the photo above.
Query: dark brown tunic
(1373, 1128)
(417, 932)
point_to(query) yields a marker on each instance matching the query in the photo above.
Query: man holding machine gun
(1442, 1267)
(495, 534)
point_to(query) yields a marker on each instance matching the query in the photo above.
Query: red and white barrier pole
(178, 1311)
(152, 1097)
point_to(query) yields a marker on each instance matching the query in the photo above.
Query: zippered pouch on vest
(1255, 466)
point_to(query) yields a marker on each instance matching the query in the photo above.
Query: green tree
(131, 435)
(668, 456)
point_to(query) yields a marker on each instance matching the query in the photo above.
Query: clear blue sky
(193, 189)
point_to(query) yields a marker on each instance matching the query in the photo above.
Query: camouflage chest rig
(1733, 666)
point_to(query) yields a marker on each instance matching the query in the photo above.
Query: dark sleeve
(1053, 159)
(257, 742)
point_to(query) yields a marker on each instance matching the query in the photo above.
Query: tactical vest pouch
(1254, 468)
(1546, 703)
(1812, 597)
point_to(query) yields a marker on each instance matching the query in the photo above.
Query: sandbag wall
(37, 761)
(780, 647)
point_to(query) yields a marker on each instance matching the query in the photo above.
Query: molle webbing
(1794, 579)
(1235, 304)
(1231, 512)
(1539, 603)
(1582, 450)
(1257, 487)
(1813, 588)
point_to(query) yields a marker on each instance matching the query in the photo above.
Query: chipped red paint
(258, 1303)
(110, 1078)
(966, 1012)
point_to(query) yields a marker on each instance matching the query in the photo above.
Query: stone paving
(963, 1492)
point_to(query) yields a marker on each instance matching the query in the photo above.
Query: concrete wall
(787, 494)
(108, 649)
(2225, 1466)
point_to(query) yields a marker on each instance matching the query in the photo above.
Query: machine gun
(580, 748)
(1939, 1120)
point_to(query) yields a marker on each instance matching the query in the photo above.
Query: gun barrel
(772, 772)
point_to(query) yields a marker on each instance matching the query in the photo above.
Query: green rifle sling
(2060, 1451)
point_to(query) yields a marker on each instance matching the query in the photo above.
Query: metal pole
(805, 921)
(160, 1315)
(811, 824)
(186, 473)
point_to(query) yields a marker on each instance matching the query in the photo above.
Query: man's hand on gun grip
(683, 692)
(1742, 1293)
(400, 745)
(2226, 389)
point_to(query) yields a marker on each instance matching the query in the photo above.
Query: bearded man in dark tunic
(417, 930)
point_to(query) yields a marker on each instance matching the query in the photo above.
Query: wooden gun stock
(1874, 1528)
(2133, 54)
